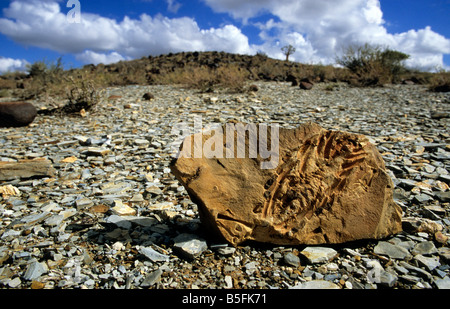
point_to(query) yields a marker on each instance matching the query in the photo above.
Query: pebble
(317, 285)
(189, 245)
(390, 250)
(291, 259)
(153, 255)
(111, 214)
(318, 254)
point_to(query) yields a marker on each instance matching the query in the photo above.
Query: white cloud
(95, 58)
(173, 6)
(319, 29)
(99, 39)
(11, 65)
(328, 26)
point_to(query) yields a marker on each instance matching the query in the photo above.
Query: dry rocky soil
(109, 214)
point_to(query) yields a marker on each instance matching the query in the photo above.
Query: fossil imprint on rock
(328, 187)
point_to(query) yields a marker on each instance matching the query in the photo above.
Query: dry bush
(205, 79)
(82, 95)
(440, 82)
(373, 65)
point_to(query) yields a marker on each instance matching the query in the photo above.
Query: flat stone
(318, 254)
(119, 221)
(153, 255)
(424, 248)
(96, 151)
(387, 279)
(34, 271)
(444, 253)
(317, 285)
(443, 284)
(26, 169)
(123, 210)
(14, 283)
(83, 203)
(390, 250)
(430, 263)
(291, 259)
(189, 245)
(227, 251)
(322, 187)
(152, 278)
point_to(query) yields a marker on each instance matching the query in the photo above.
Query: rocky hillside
(205, 71)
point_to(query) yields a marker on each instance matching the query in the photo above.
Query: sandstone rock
(328, 187)
(26, 169)
(16, 114)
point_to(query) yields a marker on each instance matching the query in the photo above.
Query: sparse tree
(288, 50)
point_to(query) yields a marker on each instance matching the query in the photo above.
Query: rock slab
(328, 187)
(26, 169)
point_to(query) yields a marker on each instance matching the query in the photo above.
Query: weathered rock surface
(26, 169)
(16, 114)
(329, 187)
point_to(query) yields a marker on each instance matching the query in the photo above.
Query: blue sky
(110, 31)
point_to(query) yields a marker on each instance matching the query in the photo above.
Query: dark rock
(16, 114)
(148, 96)
(306, 85)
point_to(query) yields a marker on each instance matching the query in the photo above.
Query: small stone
(318, 254)
(121, 209)
(54, 220)
(443, 284)
(444, 253)
(424, 248)
(317, 285)
(153, 255)
(8, 190)
(387, 279)
(34, 271)
(96, 151)
(227, 251)
(291, 259)
(137, 198)
(119, 221)
(430, 263)
(148, 96)
(189, 245)
(36, 285)
(118, 246)
(228, 282)
(14, 283)
(71, 159)
(152, 278)
(392, 251)
(84, 203)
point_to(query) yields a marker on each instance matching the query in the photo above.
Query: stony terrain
(113, 216)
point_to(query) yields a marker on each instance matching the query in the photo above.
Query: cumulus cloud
(328, 26)
(99, 39)
(11, 65)
(319, 30)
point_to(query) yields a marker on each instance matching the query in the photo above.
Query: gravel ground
(113, 216)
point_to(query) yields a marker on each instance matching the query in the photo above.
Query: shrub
(373, 65)
(83, 95)
(440, 82)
